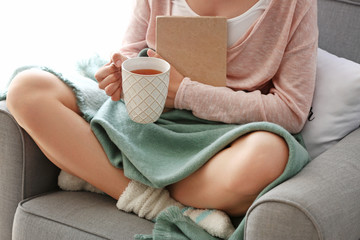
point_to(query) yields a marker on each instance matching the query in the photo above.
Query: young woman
(271, 66)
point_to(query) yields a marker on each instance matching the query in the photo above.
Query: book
(195, 46)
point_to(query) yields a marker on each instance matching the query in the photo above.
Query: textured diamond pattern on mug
(145, 95)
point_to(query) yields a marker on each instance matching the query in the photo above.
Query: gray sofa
(322, 202)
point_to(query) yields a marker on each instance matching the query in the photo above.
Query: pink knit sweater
(270, 70)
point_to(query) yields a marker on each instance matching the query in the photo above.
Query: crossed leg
(233, 178)
(46, 108)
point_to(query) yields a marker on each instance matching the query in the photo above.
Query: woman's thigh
(232, 179)
(33, 88)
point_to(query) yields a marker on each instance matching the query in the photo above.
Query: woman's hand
(175, 80)
(109, 76)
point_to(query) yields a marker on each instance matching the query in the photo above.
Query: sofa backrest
(339, 27)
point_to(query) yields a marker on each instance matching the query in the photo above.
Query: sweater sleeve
(288, 101)
(135, 36)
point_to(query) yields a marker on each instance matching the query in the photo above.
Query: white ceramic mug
(145, 94)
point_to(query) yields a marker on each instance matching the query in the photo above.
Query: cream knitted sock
(148, 202)
(145, 201)
(70, 182)
(215, 222)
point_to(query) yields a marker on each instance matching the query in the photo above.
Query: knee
(25, 92)
(262, 159)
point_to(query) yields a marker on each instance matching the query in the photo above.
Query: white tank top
(237, 26)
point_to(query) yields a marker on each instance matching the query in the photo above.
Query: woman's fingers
(105, 71)
(112, 78)
(109, 76)
(117, 95)
(152, 53)
(118, 59)
(111, 88)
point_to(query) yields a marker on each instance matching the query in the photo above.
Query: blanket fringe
(172, 224)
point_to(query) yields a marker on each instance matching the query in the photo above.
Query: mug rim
(127, 61)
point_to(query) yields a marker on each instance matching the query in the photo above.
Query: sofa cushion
(339, 27)
(336, 104)
(75, 215)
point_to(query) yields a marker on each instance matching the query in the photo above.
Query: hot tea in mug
(146, 71)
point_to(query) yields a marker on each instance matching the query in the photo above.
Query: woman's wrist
(179, 102)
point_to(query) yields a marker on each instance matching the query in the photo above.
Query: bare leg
(46, 108)
(232, 179)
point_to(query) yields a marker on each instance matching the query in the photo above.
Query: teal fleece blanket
(168, 150)
(174, 147)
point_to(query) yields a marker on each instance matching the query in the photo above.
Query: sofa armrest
(24, 170)
(321, 202)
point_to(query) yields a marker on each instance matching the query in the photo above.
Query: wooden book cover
(195, 46)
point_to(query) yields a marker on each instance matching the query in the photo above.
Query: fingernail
(150, 52)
